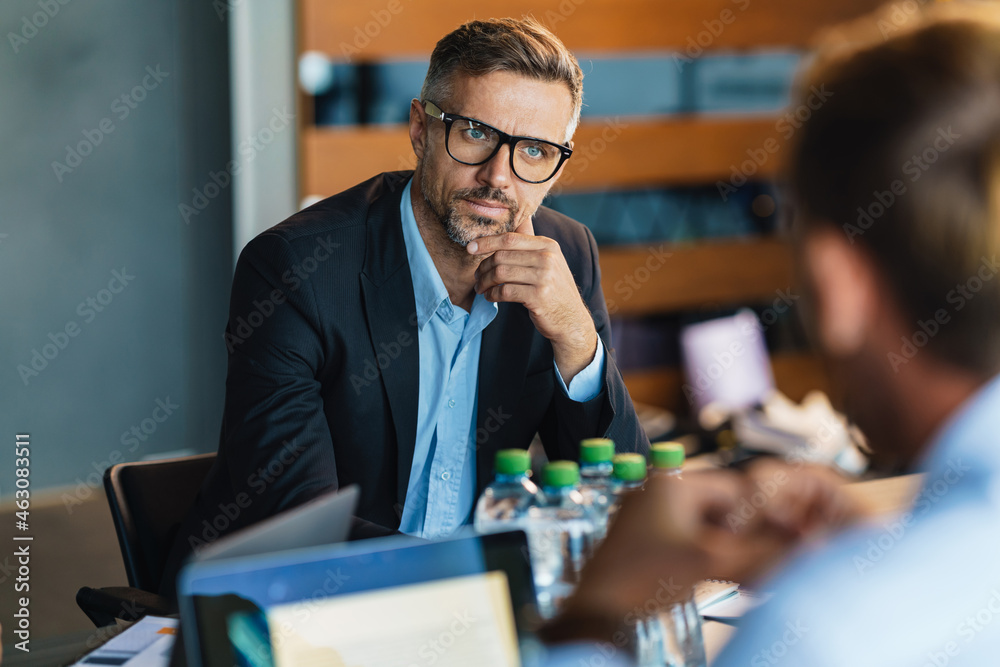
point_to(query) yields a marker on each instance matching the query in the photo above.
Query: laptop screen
(466, 600)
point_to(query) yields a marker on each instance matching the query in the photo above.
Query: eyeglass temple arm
(433, 110)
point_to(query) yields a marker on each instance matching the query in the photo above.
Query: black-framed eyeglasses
(474, 143)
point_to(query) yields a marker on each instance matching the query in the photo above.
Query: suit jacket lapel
(387, 291)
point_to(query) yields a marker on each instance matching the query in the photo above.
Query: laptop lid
(325, 519)
(397, 600)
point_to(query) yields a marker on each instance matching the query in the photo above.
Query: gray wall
(65, 235)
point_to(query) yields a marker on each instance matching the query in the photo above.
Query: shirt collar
(429, 292)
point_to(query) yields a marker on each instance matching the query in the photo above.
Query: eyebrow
(527, 136)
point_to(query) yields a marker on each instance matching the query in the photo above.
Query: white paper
(146, 644)
(449, 623)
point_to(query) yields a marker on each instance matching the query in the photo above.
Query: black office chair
(148, 501)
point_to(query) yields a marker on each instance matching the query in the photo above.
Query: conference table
(881, 497)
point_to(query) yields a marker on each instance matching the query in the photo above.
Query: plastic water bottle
(560, 535)
(628, 475)
(667, 459)
(595, 481)
(505, 502)
(677, 630)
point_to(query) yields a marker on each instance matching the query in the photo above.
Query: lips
(486, 207)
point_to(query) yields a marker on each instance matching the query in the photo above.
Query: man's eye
(476, 133)
(533, 151)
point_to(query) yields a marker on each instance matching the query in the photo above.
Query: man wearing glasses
(423, 321)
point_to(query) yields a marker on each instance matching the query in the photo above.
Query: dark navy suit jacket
(321, 389)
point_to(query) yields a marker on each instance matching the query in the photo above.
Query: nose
(496, 172)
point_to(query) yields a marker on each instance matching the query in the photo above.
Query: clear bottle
(505, 502)
(560, 535)
(677, 630)
(628, 475)
(595, 480)
(666, 458)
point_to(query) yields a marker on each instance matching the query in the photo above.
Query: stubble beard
(463, 229)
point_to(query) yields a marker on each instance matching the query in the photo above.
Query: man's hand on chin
(520, 267)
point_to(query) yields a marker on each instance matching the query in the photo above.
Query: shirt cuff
(589, 382)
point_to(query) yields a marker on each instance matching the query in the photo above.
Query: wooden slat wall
(795, 374)
(628, 152)
(609, 154)
(376, 29)
(641, 280)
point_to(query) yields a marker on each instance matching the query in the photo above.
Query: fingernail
(473, 247)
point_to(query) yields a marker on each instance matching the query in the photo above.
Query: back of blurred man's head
(903, 160)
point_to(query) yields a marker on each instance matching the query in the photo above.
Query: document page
(449, 623)
(146, 644)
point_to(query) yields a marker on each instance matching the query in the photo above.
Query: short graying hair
(524, 47)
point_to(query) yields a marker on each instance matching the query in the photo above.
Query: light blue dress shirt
(442, 486)
(921, 589)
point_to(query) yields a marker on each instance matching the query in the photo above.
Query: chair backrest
(148, 501)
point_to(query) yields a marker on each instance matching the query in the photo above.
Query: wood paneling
(608, 154)
(663, 278)
(379, 29)
(795, 374)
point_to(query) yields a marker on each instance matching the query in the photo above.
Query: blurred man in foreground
(896, 187)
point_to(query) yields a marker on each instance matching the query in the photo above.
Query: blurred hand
(717, 524)
(800, 499)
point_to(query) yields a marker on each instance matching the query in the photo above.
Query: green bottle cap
(596, 450)
(561, 473)
(512, 461)
(667, 455)
(629, 467)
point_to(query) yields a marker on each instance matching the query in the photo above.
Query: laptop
(325, 519)
(465, 600)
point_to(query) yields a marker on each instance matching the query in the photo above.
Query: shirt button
(451, 403)
(446, 475)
